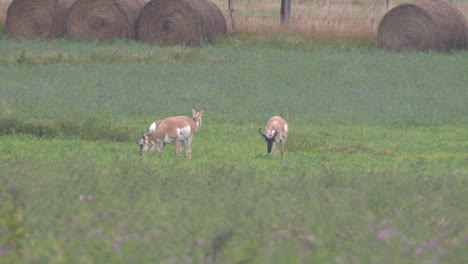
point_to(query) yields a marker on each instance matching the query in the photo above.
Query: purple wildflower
(386, 234)
(95, 233)
(121, 239)
(434, 245)
(4, 251)
(200, 242)
(209, 259)
(420, 251)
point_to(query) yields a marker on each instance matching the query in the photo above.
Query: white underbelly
(168, 140)
(183, 134)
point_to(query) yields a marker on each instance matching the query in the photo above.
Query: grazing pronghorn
(276, 131)
(172, 130)
(196, 116)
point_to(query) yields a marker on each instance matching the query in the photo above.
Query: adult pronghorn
(173, 130)
(276, 131)
(196, 116)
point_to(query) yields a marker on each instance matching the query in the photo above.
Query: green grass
(347, 86)
(375, 169)
(318, 204)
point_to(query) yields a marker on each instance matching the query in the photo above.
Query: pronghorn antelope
(196, 116)
(173, 130)
(276, 131)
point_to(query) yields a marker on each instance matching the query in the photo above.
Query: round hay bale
(103, 20)
(185, 22)
(423, 25)
(36, 18)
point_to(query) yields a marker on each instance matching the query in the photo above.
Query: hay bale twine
(185, 22)
(423, 25)
(103, 20)
(32, 19)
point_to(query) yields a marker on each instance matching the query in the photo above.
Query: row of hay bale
(188, 22)
(418, 25)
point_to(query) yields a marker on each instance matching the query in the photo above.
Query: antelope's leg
(188, 148)
(177, 147)
(273, 149)
(282, 148)
(163, 148)
(160, 147)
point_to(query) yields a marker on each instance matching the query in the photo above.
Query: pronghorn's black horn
(259, 131)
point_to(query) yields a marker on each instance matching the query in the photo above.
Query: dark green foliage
(89, 129)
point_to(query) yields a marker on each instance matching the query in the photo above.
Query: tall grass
(239, 81)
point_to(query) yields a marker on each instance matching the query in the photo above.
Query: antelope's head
(149, 142)
(197, 116)
(270, 138)
(144, 146)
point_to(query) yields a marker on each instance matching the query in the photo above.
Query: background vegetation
(375, 169)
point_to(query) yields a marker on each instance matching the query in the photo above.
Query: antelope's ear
(202, 111)
(193, 110)
(274, 136)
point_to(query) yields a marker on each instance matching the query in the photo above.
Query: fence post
(232, 14)
(285, 11)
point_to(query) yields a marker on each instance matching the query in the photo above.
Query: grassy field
(375, 169)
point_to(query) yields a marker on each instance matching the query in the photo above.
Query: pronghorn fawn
(173, 130)
(196, 116)
(276, 131)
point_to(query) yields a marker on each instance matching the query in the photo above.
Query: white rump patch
(152, 128)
